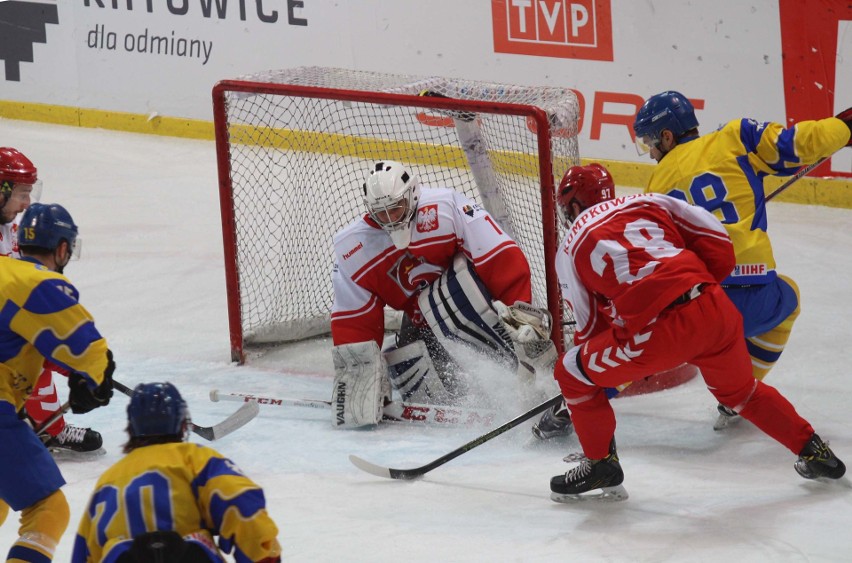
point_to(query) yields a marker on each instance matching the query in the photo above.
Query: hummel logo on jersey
(349, 254)
(23, 24)
(613, 356)
(427, 218)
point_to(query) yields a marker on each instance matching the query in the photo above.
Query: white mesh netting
(296, 162)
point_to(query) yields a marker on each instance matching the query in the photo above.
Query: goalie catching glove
(529, 327)
(361, 385)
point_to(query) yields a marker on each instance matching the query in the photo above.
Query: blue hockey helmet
(667, 110)
(156, 409)
(46, 225)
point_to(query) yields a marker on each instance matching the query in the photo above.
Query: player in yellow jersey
(40, 318)
(723, 172)
(21, 185)
(167, 499)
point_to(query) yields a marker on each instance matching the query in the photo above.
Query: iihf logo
(22, 24)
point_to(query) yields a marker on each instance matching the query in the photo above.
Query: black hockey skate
(817, 460)
(75, 442)
(553, 423)
(592, 474)
(727, 418)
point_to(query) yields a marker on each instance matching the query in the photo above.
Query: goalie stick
(472, 141)
(236, 420)
(396, 411)
(417, 472)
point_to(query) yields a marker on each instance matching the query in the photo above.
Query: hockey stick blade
(377, 470)
(236, 420)
(462, 115)
(417, 472)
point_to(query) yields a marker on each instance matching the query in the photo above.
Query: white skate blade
(554, 435)
(608, 494)
(724, 422)
(64, 454)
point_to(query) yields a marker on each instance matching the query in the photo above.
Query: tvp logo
(570, 29)
(22, 24)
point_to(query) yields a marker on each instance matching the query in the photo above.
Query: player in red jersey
(641, 275)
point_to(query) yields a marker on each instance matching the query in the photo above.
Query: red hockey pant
(44, 403)
(706, 332)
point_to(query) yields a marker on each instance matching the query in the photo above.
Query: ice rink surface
(152, 274)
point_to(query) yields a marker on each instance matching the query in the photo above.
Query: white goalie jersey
(370, 272)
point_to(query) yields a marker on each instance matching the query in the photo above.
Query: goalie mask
(584, 185)
(390, 194)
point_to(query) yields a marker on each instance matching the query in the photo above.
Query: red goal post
(293, 149)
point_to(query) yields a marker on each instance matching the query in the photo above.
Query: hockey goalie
(443, 261)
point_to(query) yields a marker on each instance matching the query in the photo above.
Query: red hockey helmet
(15, 168)
(584, 185)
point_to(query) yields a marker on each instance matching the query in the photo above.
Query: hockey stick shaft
(216, 396)
(796, 177)
(472, 141)
(53, 418)
(395, 411)
(236, 420)
(417, 472)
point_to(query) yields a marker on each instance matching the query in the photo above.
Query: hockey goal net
(294, 148)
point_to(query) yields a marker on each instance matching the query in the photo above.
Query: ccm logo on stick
(572, 29)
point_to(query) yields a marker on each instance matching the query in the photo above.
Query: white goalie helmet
(391, 193)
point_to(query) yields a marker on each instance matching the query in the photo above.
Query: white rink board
(162, 58)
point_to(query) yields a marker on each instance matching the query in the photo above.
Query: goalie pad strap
(457, 307)
(413, 374)
(360, 385)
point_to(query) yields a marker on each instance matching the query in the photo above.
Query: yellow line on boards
(831, 192)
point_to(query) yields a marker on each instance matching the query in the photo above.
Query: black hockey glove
(82, 398)
(846, 115)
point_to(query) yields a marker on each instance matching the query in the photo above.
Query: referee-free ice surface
(152, 274)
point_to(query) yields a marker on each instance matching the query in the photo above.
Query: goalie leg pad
(413, 374)
(361, 385)
(457, 307)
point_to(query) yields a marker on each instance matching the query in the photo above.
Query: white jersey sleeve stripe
(371, 304)
(494, 252)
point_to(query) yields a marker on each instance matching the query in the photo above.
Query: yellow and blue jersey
(723, 172)
(187, 488)
(40, 317)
